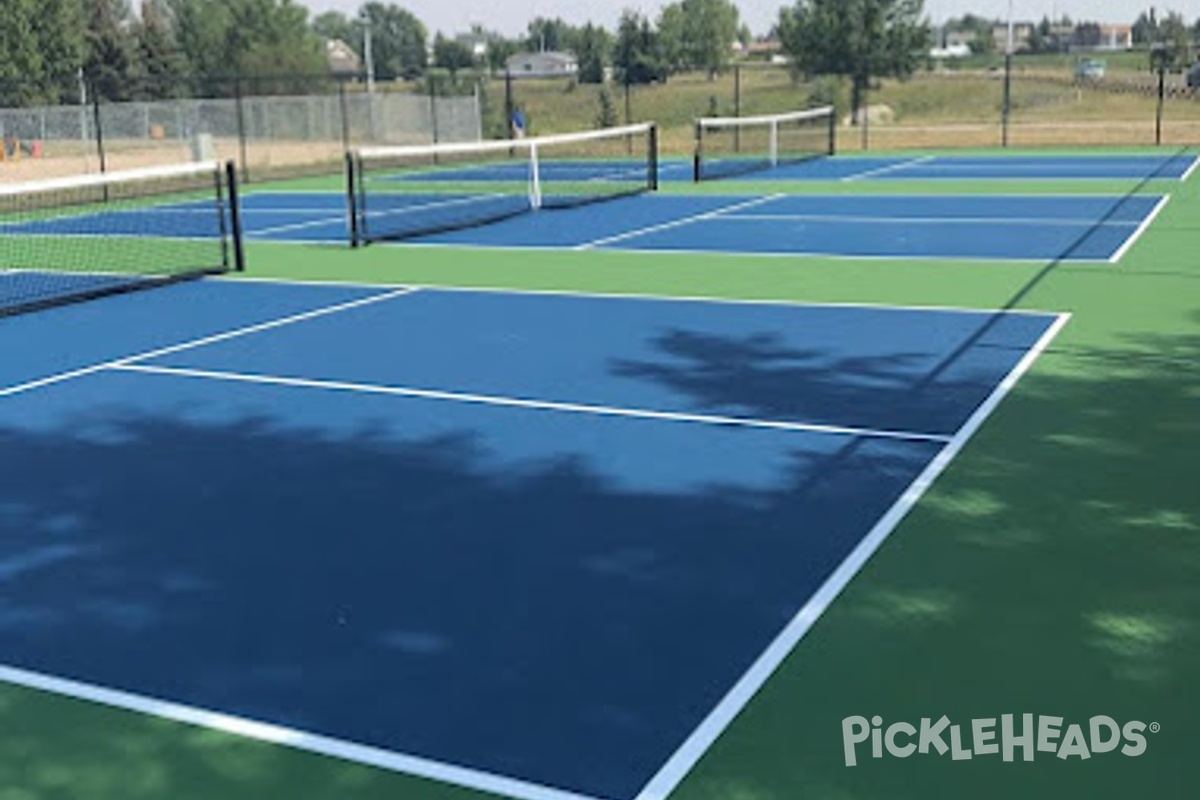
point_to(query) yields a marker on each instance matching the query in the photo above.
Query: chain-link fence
(279, 126)
(1052, 101)
(255, 122)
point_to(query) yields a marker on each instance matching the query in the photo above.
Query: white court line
(701, 739)
(287, 737)
(925, 220)
(652, 298)
(678, 222)
(976, 260)
(1188, 172)
(518, 402)
(890, 168)
(1137, 234)
(219, 337)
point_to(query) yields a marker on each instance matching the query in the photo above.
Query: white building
(542, 65)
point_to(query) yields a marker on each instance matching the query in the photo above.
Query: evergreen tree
(163, 63)
(591, 47)
(110, 60)
(21, 64)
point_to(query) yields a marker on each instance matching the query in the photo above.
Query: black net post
(235, 217)
(652, 158)
(696, 152)
(352, 201)
(832, 132)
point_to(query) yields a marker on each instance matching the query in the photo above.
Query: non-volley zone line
(527, 403)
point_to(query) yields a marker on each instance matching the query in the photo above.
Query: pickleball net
(396, 193)
(65, 240)
(729, 146)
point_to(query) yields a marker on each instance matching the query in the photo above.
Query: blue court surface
(1013, 167)
(1037, 228)
(524, 543)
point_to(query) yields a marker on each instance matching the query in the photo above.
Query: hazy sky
(511, 16)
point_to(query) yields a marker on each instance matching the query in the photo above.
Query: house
(1116, 37)
(1022, 33)
(541, 65)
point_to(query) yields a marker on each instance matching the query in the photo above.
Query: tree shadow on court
(761, 376)
(1050, 571)
(547, 615)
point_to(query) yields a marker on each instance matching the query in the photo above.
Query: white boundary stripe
(676, 223)
(890, 168)
(1191, 169)
(979, 261)
(690, 752)
(1137, 233)
(519, 402)
(1045, 221)
(654, 298)
(292, 226)
(288, 737)
(219, 337)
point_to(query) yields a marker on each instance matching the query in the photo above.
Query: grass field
(1051, 570)
(953, 108)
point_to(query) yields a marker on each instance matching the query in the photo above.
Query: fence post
(508, 103)
(433, 115)
(1005, 103)
(345, 112)
(1158, 114)
(99, 133)
(241, 127)
(737, 107)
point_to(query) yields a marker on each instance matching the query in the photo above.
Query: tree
(698, 34)
(111, 56)
(161, 60)
(452, 55)
(336, 25)
(1175, 39)
(1087, 34)
(858, 39)
(20, 57)
(590, 49)
(636, 55)
(1145, 28)
(672, 34)
(983, 42)
(229, 42)
(58, 29)
(606, 117)
(273, 38)
(397, 39)
(200, 28)
(550, 35)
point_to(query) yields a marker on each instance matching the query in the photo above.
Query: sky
(511, 16)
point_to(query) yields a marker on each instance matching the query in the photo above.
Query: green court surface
(1053, 569)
